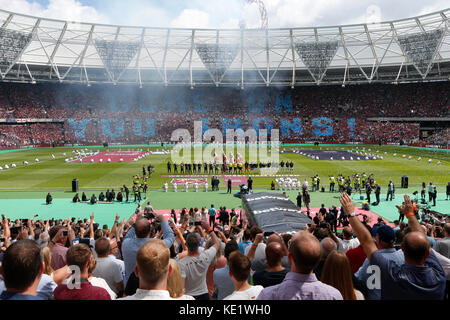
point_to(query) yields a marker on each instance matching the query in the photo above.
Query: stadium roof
(34, 49)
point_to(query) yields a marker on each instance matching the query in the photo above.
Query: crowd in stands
(154, 257)
(14, 135)
(441, 137)
(31, 134)
(47, 133)
(174, 108)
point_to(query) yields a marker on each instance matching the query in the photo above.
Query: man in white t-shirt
(240, 266)
(107, 268)
(348, 241)
(195, 265)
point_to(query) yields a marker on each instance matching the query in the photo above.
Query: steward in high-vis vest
(332, 183)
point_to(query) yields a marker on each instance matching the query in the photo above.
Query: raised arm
(91, 227)
(222, 237)
(408, 211)
(70, 233)
(114, 227)
(6, 232)
(364, 236)
(258, 239)
(179, 235)
(31, 226)
(167, 232)
(209, 230)
(332, 235)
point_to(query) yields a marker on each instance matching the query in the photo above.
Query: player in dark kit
(169, 167)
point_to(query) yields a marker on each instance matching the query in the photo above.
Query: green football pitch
(23, 189)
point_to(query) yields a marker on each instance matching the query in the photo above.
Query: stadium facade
(34, 49)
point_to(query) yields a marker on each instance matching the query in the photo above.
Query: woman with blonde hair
(59, 275)
(338, 274)
(175, 284)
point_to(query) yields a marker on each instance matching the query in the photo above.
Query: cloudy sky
(224, 13)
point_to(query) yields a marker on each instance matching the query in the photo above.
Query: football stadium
(214, 138)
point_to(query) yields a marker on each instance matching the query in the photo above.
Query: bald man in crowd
(276, 272)
(421, 277)
(301, 283)
(153, 269)
(260, 263)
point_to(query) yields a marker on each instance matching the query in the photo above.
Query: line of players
(232, 168)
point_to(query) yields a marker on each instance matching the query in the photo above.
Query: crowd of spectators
(46, 133)
(173, 108)
(441, 137)
(31, 134)
(153, 257)
(14, 135)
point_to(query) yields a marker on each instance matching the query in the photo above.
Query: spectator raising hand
(420, 277)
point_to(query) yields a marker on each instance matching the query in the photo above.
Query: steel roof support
(242, 58)
(294, 67)
(165, 56)
(80, 58)
(58, 43)
(267, 58)
(191, 81)
(19, 56)
(8, 20)
(138, 58)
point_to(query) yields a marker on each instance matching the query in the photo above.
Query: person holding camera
(138, 235)
(58, 235)
(195, 265)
